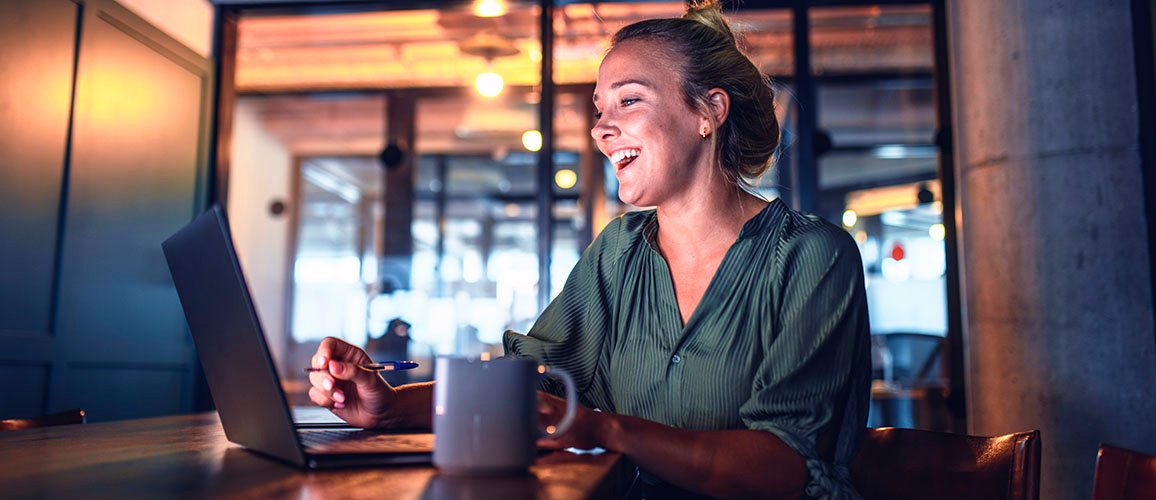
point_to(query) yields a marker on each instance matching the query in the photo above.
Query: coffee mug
(486, 413)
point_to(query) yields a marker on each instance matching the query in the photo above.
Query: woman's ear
(718, 102)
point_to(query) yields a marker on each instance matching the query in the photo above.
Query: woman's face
(652, 137)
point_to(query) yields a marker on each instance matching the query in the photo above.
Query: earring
(705, 132)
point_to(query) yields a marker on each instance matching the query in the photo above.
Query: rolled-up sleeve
(571, 332)
(814, 379)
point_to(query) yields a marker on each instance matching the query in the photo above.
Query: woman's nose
(604, 129)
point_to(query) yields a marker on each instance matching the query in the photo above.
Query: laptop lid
(229, 339)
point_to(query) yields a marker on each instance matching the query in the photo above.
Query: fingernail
(327, 384)
(336, 367)
(338, 396)
(338, 405)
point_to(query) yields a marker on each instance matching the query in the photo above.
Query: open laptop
(240, 372)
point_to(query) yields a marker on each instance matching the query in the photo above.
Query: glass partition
(878, 176)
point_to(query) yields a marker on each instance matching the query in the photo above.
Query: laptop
(240, 371)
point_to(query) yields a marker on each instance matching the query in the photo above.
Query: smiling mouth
(623, 158)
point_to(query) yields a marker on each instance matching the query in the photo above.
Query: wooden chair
(1124, 474)
(907, 463)
(74, 416)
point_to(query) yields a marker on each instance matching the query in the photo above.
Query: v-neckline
(675, 319)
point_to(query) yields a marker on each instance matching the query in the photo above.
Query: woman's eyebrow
(628, 81)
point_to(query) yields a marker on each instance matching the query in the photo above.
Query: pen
(384, 366)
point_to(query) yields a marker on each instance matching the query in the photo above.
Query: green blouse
(778, 343)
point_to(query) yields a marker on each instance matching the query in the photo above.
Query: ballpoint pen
(384, 366)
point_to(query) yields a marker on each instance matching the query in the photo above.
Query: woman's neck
(706, 221)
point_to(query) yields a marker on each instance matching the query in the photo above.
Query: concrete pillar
(1058, 307)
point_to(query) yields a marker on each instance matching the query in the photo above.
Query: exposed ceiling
(423, 48)
(416, 49)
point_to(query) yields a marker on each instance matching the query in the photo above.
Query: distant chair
(907, 359)
(909, 388)
(899, 464)
(1124, 474)
(73, 416)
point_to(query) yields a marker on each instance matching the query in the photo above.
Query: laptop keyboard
(363, 441)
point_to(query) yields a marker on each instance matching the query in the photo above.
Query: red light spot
(897, 252)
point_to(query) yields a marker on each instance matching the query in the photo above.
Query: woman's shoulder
(807, 235)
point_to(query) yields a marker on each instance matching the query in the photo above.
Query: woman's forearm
(724, 464)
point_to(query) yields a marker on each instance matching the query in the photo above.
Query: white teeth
(623, 154)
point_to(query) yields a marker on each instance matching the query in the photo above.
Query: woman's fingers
(320, 398)
(317, 379)
(335, 348)
(342, 360)
(364, 380)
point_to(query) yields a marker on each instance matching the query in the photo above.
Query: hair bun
(709, 12)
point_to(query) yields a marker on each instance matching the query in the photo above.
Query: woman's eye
(628, 101)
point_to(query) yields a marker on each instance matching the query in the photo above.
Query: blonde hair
(706, 48)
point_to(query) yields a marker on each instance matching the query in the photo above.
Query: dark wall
(103, 133)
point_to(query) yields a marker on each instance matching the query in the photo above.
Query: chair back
(73, 416)
(1124, 474)
(908, 463)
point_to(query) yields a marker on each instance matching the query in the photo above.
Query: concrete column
(1058, 307)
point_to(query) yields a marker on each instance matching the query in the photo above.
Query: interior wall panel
(133, 182)
(104, 126)
(37, 42)
(25, 387)
(138, 140)
(108, 392)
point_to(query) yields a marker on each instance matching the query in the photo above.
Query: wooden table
(188, 457)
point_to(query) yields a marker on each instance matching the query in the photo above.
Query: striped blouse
(779, 341)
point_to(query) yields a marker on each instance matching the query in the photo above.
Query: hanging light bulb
(532, 140)
(489, 8)
(565, 178)
(489, 84)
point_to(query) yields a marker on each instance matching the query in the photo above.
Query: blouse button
(675, 359)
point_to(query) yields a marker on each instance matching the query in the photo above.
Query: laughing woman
(723, 337)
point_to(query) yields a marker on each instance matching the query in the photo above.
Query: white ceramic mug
(486, 412)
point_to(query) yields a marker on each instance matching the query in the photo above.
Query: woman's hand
(359, 396)
(585, 433)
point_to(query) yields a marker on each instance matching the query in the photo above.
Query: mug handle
(571, 403)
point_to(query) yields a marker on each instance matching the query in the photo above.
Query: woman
(723, 337)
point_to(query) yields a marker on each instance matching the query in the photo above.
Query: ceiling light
(532, 140)
(489, 8)
(937, 232)
(565, 178)
(489, 84)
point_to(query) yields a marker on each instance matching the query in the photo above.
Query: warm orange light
(489, 84)
(565, 178)
(532, 140)
(489, 8)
